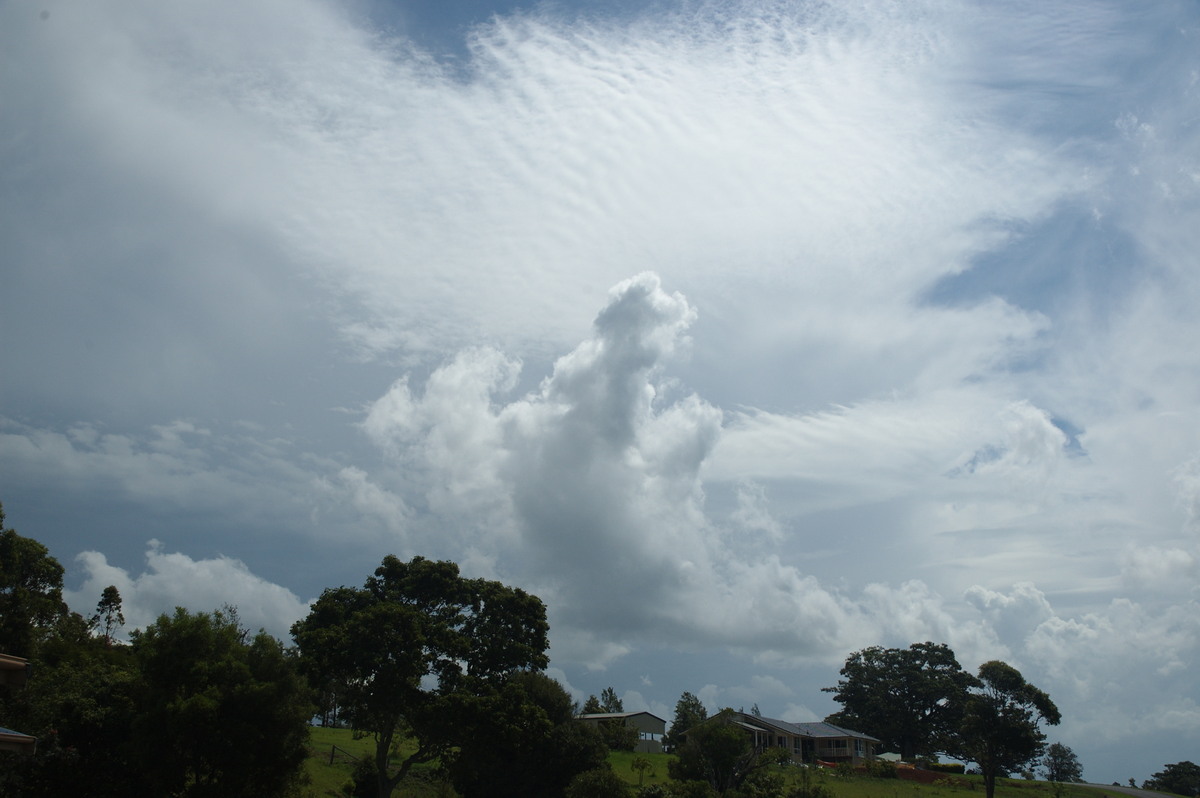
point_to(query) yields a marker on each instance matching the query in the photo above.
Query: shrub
(957, 768)
(598, 783)
(691, 789)
(882, 769)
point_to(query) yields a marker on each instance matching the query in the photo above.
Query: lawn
(333, 753)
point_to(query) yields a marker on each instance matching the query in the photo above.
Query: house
(14, 671)
(808, 742)
(651, 728)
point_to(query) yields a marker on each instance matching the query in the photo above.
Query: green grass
(327, 778)
(329, 768)
(622, 765)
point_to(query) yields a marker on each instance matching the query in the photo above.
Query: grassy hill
(334, 752)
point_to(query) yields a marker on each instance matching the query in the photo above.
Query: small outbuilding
(651, 727)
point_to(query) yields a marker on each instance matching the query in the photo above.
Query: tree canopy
(911, 699)
(1181, 778)
(31, 584)
(689, 712)
(1001, 722)
(721, 754)
(222, 713)
(524, 741)
(414, 650)
(1061, 764)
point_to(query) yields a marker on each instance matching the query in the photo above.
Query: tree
(523, 741)
(108, 617)
(415, 649)
(80, 703)
(1181, 778)
(1061, 764)
(720, 753)
(31, 601)
(911, 699)
(1000, 728)
(689, 712)
(607, 702)
(220, 713)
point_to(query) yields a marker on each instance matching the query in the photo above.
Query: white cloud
(176, 580)
(940, 297)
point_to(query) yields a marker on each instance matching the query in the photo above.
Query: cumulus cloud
(591, 488)
(171, 580)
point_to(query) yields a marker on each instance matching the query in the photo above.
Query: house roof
(816, 730)
(615, 715)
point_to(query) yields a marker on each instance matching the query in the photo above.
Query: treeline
(195, 705)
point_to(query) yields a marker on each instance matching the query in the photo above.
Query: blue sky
(745, 334)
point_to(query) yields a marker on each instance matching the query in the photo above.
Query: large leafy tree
(31, 601)
(1061, 764)
(523, 742)
(721, 753)
(415, 649)
(910, 698)
(1000, 729)
(220, 713)
(1181, 778)
(689, 712)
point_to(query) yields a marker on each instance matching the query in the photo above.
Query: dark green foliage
(1000, 729)
(607, 702)
(911, 699)
(221, 714)
(694, 788)
(364, 780)
(415, 649)
(598, 783)
(108, 618)
(1061, 764)
(80, 702)
(719, 753)
(617, 736)
(1181, 778)
(31, 601)
(689, 712)
(523, 741)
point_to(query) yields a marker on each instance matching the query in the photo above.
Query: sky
(745, 334)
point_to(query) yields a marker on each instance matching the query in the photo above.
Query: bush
(957, 768)
(691, 789)
(883, 769)
(653, 791)
(364, 780)
(598, 783)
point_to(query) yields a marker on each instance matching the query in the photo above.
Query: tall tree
(911, 699)
(610, 702)
(1000, 730)
(1181, 778)
(689, 712)
(31, 601)
(1061, 764)
(413, 651)
(108, 617)
(220, 713)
